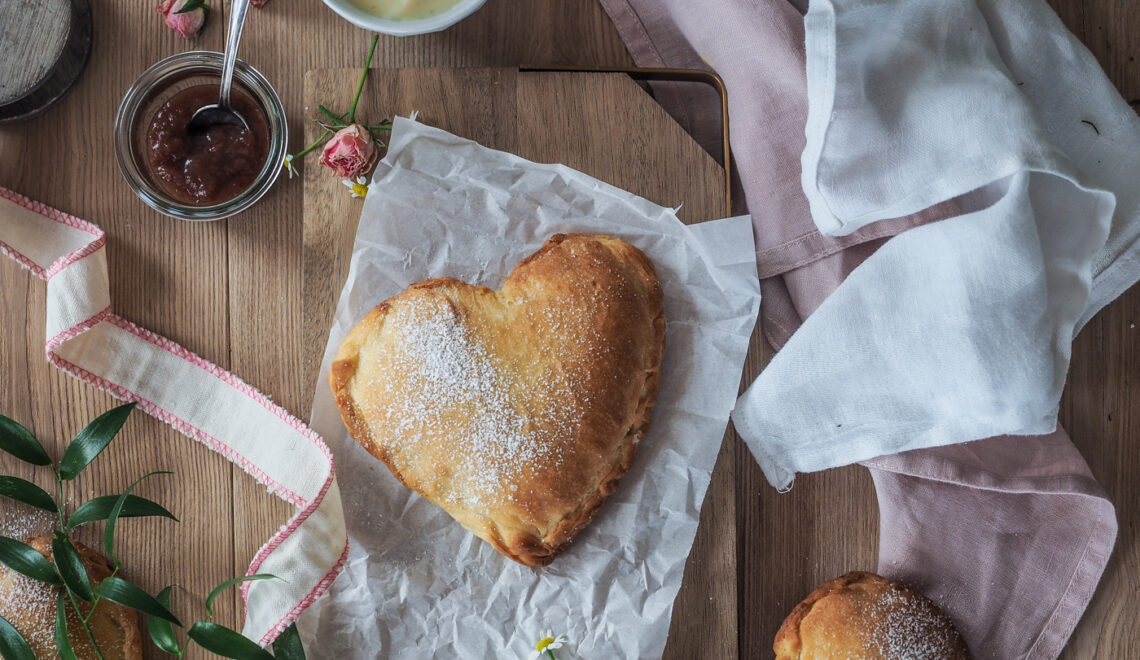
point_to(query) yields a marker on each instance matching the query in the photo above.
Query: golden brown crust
(519, 410)
(863, 615)
(30, 606)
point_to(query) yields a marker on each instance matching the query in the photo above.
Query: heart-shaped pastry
(518, 410)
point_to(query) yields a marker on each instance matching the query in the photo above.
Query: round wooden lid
(44, 46)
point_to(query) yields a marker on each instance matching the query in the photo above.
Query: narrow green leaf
(92, 440)
(161, 630)
(99, 508)
(70, 567)
(19, 442)
(62, 641)
(225, 642)
(118, 590)
(116, 512)
(192, 5)
(26, 492)
(25, 559)
(12, 643)
(288, 645)
(217, 591)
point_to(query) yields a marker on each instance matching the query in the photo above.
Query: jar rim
(167, 72)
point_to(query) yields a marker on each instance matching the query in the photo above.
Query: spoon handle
(238, 9)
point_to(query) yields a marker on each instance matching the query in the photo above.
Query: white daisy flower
(547, 645)
(358, 188)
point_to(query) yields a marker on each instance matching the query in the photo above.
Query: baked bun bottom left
(30, 606)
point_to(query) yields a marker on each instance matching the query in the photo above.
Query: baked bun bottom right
(866, 616)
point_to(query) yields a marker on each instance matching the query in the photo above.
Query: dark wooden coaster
(44, 47)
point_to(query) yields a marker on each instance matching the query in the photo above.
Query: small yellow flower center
(360, 190)
(543, 643)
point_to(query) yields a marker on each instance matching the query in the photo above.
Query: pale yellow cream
(404, 9)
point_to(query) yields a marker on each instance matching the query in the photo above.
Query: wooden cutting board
(603, 124)
(44, 47)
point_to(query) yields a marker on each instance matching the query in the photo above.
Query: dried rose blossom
(185, 17)
(350, 152)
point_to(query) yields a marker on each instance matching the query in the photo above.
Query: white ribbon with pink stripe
(200, 399)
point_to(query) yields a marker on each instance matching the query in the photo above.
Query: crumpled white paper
(418, 585)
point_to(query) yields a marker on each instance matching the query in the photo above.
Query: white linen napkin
(961, 329)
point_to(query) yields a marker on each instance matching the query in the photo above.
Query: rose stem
(363, 76)
(313, 145)
(338, 120)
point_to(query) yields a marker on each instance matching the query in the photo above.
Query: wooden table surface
(231, 292)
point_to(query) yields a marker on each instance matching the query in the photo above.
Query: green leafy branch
(66, 571)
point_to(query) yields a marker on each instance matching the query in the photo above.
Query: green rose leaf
(288, 646)
(116, 512)
(161, 630)
(226, 642)
(100, 508)
(26, 492)
(12, 643)
(25, 559)
(19, 442)
(62, 641)
(118, 590)
(92, 440)
(217, 591)
(191, 5)
(70, 567)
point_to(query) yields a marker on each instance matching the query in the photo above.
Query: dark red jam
(211, 165)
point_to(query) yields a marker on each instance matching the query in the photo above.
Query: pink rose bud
(350, 153)
(187, 23)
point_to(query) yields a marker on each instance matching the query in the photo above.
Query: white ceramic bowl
(404, 27)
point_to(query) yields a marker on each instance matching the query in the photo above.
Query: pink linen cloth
(1009, 535)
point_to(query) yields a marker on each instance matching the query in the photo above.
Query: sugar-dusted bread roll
(518, 410)
(862, 615)
(30, 606)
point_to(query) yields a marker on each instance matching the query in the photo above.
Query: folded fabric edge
(1119, 276)
(780, 477)
(942, 468)
(819, 23)
(1081, 587)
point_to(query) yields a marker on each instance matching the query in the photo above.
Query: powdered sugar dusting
(909, 628)
(23, 599)
(441, 371)
(19, 521)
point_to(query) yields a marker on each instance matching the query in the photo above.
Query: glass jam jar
(149, 99)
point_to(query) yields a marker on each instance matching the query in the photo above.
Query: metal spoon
(222, 112)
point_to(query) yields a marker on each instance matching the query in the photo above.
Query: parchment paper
(418, 585)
